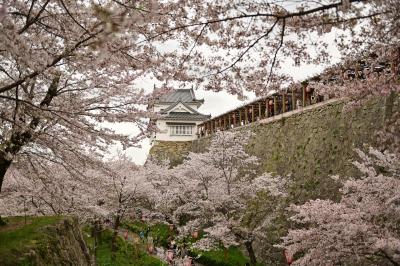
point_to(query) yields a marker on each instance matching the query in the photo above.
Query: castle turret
(178, 116)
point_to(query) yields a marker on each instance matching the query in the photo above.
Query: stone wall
(316, 141)
(62, 244)
(310, 144)
(174, 151)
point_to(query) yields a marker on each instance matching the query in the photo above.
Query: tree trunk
(389, 103)
(19, 139)
(114, 238)
(249, 248)
(4, 165)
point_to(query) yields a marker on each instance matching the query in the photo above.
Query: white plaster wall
(164, 135)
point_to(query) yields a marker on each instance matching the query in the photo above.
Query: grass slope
(125, 256)
(17, 238)
(229, 257)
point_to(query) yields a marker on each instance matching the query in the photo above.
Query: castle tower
(179, 116)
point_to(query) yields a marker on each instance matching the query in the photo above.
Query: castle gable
(179, 116)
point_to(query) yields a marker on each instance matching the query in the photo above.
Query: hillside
(42, 241)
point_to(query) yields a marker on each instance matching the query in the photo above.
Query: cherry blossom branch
(194, 45)
(245, 16)
(72, 17)
(30, 10)
(246, 50)
(30, 22)
(277, 50)
(57, 59)
(389, 258)
(350, 19)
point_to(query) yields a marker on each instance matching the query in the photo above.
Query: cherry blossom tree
(122, 190)
(67, 68)
(167, 190)
(210, 191)
(250, 40)
(110, 192)
(361, 229)
(48, 191)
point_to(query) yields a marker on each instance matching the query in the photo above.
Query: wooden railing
(295, 97)
(261, 108)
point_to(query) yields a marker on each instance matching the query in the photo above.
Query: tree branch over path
(277, 50)
(30, 22)
(246, 16)
(57, 59)
(248, 49)
(81, 46)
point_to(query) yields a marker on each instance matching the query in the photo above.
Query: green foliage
(160, 232)
(17, 238)
(125, 255)
(221, 257)
(87, 235)
(136, 226)
(2, 222)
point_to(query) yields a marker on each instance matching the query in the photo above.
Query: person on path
(183, 251)
(150, 245)
(298, 104)
(170, 256)
(141, 234)
(187, 261)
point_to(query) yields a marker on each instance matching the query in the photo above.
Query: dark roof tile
(183, 95)
(185, 116)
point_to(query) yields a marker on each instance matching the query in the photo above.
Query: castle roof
(182, 95)
(192, 114)
(172, 106)
(186, 116)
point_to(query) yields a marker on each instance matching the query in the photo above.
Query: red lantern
(170, 255)
(288, 257)
(150, 249)
(187, 261)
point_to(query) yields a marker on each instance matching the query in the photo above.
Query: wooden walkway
(268, 108)
(297, 111)
(297, 98)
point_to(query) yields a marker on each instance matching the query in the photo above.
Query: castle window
(181, 130)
